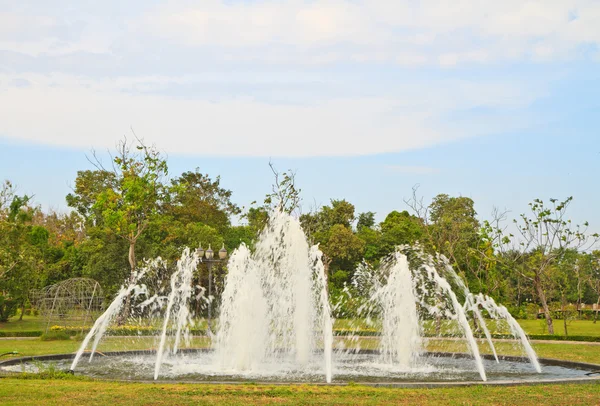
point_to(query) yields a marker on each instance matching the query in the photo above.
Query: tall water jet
(275, 300)
(392, 299)
(178, 305)
(243, 332)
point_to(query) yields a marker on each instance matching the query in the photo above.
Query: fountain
(275, 322)
(275, 302)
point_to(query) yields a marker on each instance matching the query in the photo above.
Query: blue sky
(493, 100)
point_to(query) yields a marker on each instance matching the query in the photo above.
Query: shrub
(8, 308)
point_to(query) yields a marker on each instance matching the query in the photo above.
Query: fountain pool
(275, 324)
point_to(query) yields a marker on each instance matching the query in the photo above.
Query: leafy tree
(195, 198)
(399, 228)
(129, 198)
(257, 219)
(343, 247)
(90, 184)
(341, 212)
(318, 224)
(21, 254)
(592, 274)
(545, 237)
(366, 219)
(372, 239)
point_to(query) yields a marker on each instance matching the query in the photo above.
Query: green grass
(574, 327)
(29, 323)
(39, 347)
(37, 323)
(77, 392)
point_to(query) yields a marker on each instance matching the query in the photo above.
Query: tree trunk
(127, 306)
(542, 295)
(597, 308)
(475, 323)
(22, 309)
(564, 313)
(326, 262)
(132, 255)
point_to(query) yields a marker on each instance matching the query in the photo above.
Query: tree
(331, 228)
(593, 276)
(366, 219)
(545, 236)
(399, 228)
(343, 247)
(285, 195)
(21, 252)
(195, 198)
(89, 184)
(452, 229)
(372, 239)
(126, 199)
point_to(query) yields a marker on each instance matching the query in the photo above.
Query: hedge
(33, 333)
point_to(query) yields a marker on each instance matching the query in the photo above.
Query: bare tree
(284, 195)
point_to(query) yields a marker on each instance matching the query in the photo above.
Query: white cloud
(270, 109)
(446, 32)
(439, 31)
(79, 112)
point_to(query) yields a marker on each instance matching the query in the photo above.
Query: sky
(497, 101)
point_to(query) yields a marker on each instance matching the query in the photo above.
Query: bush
(8, 308)
(55, 335)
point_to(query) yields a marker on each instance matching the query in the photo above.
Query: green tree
(545, 237)
(372, 240)
(127, 200)
(89, 184)
(343, 248)
(591, 265)
(399, 228)
(366, 219)
(195, 198)
(21, 253)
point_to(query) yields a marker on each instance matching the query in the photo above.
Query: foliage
(546, 238)
(195, 198)
(8, 308)
(399, 228)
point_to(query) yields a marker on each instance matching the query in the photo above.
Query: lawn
(29, 323)
(76, 392)
(574, 327)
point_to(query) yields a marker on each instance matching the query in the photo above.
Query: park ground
(61, 389)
